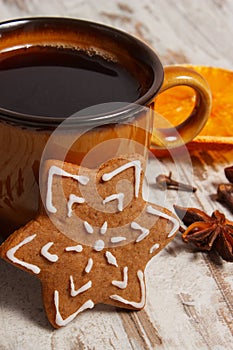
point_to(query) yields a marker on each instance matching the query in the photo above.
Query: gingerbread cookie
(93, 238)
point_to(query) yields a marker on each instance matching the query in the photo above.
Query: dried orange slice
(176, 104)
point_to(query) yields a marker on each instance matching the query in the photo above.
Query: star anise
(207, 232)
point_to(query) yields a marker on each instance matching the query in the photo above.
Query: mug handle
(186, 131)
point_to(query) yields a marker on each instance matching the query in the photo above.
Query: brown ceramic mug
(24, 132)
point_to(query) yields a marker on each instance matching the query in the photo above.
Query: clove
(225, 195)
(166, 182)
(229, 173)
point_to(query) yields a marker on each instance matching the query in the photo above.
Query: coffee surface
(56, 82)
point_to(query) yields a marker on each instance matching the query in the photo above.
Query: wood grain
(140, 330)
(189, 294)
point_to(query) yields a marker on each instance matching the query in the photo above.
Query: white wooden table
(189, 294)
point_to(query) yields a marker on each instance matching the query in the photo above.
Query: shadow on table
(21, 293)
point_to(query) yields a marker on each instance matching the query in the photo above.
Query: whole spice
(229, 173)
(166, 182)
(225, 195)
(207, 232)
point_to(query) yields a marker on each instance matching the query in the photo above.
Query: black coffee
(47, 81)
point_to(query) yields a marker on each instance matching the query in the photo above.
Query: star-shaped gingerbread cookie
(93, 238)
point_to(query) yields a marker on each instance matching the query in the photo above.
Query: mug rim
(119, 115)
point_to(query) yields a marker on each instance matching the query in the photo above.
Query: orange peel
(176, 104)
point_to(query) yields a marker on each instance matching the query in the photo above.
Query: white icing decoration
(175, 222)
(73, 199)
(122, 284)
(118, 239)
(55, 170)
(88, 227)
(111, 259)
(89, 265)
(141, 303)
(11, 255)
(77, 248)
(137, 166)
(44, 251)
(154, 247)
(104, 228)
(144, 234)
(63, 322)
(99, 245)
(74, 292)
(119, 197)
